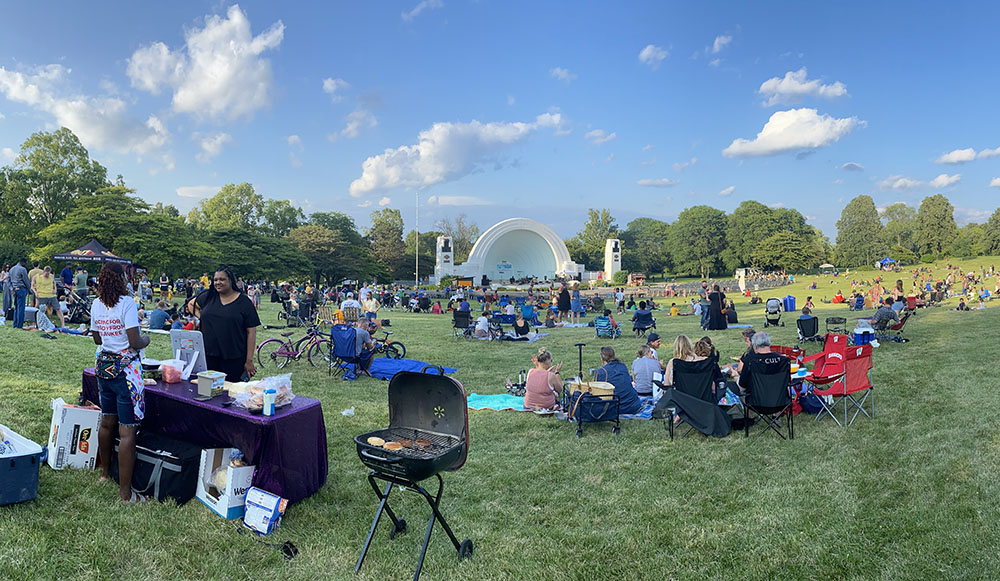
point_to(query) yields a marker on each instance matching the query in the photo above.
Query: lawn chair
(895, 332)
(528, 314)
(324, 316)
(836, 325)
(604, 328)
(342, 349)
(768, 396)
(857, 303)
(351, 314)
(852, 389)
(461, 322)
(829, 363)
(643, 322)
(695, 400)
(808, 329)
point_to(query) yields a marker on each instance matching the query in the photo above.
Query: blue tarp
(385, 368)
(886, 260)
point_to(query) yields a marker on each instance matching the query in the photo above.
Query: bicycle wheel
(395, 350)
(272, 353)
(319, 353)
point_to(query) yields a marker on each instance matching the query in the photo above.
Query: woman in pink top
(543, 381)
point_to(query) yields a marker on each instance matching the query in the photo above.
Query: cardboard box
(263, 511)
(228, 501)
(211, 383)
(73, 436)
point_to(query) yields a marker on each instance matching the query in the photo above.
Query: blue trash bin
(788, 304)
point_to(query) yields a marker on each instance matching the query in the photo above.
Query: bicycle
(391, 349)
(279, 352)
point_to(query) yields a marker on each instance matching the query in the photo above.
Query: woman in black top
(229, 324)
(563, 302)
(716, 318)
(164, 287)
(521, 327)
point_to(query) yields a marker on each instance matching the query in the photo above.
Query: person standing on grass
(35, 271)
(44, 288)
(563, 302)
(19, 285)
(229, 324)
(8, 294)
(114, 322)
(80, 281)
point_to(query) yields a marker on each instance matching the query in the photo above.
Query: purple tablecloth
(288, 448)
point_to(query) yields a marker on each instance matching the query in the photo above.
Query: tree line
(54, 198)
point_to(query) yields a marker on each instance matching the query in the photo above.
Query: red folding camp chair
(851, 390)
(829, 366)
(895, 332)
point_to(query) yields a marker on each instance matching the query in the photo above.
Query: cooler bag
(586, 407)
(163, 467)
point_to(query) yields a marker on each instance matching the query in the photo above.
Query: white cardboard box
(227, 502)
(73, 436)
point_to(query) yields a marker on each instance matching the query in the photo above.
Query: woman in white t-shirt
(114, 320)
(483, 325)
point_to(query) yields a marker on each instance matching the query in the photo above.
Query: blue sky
(502, 109)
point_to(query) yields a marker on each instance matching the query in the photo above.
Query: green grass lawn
(910, 494)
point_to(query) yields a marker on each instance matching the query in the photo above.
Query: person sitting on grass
(363, 346)
(543, 383)
(838, 298)
(962, 306)
(483, 325)
(643, 368)
(684, 351)
(614, 372)
(807, 313)
(521, 327)
(436, 309)
(982, 305)
(673, 310)
(550, 320)
(159, 319)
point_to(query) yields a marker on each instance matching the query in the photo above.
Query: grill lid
(426, 401)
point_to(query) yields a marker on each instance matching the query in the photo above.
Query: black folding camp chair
(462, 323)
(768, 394)
(808, 329)
(694, 384)
(836, 325)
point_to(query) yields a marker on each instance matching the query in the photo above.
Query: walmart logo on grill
(439, 411)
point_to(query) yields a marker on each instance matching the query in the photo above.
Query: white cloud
(721, 42)
(384, 201)
(898, 182)
(2, 116)
(851, 166)
(599, 136)
(837, 182)
(989, 153)
(727, 191)
(295, 147)
(965, 215)
(648, 147)
(679, 167)
(7, 154)
(610, 157)
(197, 191)
(420, 7)
(296, 141)
(219, 73)
(657, 183)
(510, 99)
(562, 74)
(333, 87)
(99, 122)
(355, 122)
(652, 55)
(995, 183)
(211, 145)
(445, 152)
(945, 180)
(957, 156)
(365, 204)
(648, 162)
(715, 62)
(794, 86)
(793, 130)
(459, 201)
(776, 205)
(167, 164)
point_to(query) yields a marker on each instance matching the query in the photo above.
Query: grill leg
(436, 515)
(384, 498)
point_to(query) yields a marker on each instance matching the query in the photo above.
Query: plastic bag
(172, 369)
(253, 399)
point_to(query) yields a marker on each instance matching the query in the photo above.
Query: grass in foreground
(906, 495)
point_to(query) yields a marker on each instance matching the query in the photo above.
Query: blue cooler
(788, 304)
(19, 462)
(863, 336)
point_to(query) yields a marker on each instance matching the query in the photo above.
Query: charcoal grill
(422, 406)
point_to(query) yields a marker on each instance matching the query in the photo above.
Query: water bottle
(269, 395)
(521, 377)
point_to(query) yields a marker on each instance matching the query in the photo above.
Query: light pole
(416, 240)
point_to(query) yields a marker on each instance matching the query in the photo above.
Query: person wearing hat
(653, 341)
(350, 301)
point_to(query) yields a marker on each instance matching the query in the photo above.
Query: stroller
(772, 313)
(79, 309)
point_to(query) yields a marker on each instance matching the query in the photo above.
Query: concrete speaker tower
(444, 265)
(612, 258)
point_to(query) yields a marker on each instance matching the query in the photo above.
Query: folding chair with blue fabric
(528, 313)
(644, 321)
(342, 349)
(604, 328)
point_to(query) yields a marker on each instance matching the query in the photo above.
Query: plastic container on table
(19, 462)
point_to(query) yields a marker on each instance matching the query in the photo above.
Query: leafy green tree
(902, 255)
(644, 246)
(254, 255)
(991, 234)
(859, 233)
(360, 264)
(749, 224)
(697, 240)
(936, 229)
(168, 210)
(326, 250)
(52, 171)
(11, 251)
(970, 241)
(785, 250)
(428, 252)
(280, 217)
(463, 232)
(385, 239)
(235, 206)
(900, 222)
(587, 247)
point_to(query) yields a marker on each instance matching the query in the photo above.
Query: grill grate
(440, 443)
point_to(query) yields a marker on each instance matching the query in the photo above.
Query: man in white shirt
(483, 325)
(350, 302)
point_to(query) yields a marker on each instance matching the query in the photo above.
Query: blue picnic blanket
(496, 401)
(644, 413)
(385, 368)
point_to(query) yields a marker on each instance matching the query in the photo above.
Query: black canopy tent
(93, 251)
